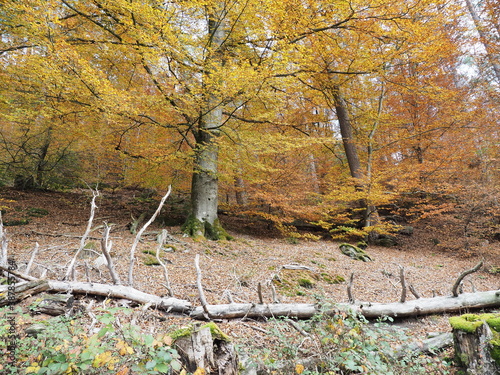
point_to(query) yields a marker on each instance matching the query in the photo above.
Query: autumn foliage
(247, 97)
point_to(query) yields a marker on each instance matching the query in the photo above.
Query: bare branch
(106, 245)
(403, 284)
(139, 234)
(32, 259)
(18, 274)
(93, 206)
(454, 290)
(349, 288)
(4, 244)
(161, 239)
(259, 293)
(203, 300)
(413, 291)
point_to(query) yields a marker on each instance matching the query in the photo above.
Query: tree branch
(454, 290)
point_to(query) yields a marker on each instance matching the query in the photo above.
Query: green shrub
(342, 343)
(66, 347)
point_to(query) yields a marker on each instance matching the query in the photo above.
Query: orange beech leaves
(246, 95)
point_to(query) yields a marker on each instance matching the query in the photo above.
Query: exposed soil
(255, 256)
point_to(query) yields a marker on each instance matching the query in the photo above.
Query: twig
(93, 206)
(18, 274)
(32, 259)
(403, 284)
(256, 328)
(259, 293)
(161, 239)
(349, 289)
(297, 327)
(413, 291)
(473, 286)
(229, 296)
(106, 245)
(203, 300)
(63, 235)
(454, 290)
(139, 234)
(87, 271)
(275, 295)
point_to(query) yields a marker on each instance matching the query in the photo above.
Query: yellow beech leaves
(141, 89)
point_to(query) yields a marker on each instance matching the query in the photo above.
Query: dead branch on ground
(70, 273)
(162, 239)
(139, 234)
(106, 245)
(457, 284)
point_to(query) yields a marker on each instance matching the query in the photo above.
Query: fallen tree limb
(121, 291)
(26, 289)
(435, 305)
(427, 346)
(421, 306)
(250, 310)
(20, 291)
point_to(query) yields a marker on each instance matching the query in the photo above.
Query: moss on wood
(469, 323)
(215, 331)
(199, 230)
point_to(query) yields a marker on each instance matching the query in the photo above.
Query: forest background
(304, 113)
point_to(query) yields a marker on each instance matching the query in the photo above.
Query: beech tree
(225, 93)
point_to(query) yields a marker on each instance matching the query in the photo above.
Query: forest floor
(431, 258)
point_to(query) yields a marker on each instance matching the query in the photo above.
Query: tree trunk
(351, 151)
(493, 56)
(203, 221)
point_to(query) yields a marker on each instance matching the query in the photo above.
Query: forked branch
(139, 234)
(456, 286)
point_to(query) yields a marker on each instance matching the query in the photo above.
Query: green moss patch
(471, 322)
(467, 323)
(354, 252)
(337, 279)
(199, 230)
(186, 331)
(151, 261)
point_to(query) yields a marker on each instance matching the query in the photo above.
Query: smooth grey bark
(204, 184)
(493, 56)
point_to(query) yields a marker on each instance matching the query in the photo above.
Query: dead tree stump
(476, 343)
(206, 347)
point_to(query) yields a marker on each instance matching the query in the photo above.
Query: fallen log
(418, 307)
(435, 305)
(13, 293)
(251, 310)
(169, 304)
(23, 290)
